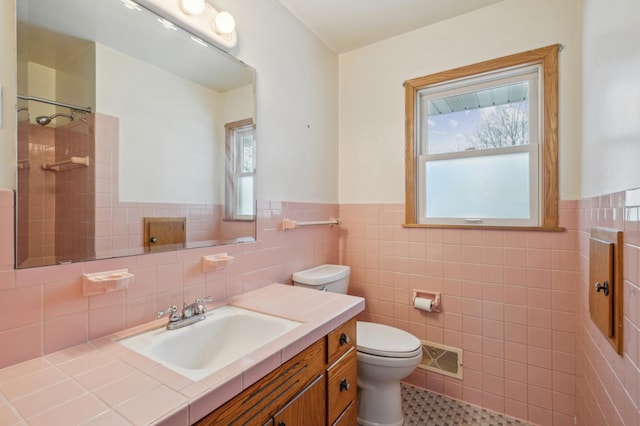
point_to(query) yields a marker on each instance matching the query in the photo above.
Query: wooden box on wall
(606, 284)
(164, 233)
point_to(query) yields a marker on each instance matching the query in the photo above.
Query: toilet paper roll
(422, 304)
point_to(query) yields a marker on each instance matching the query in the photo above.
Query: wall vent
(441, 359)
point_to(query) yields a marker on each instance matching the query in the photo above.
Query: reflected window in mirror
(240, 170)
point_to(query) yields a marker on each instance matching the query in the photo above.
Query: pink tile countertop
(104, 383)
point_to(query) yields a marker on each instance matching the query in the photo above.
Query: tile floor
(423, 408)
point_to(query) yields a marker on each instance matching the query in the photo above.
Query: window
(241, 170)
(481, 144)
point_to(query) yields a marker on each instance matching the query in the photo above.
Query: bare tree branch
(505, 125)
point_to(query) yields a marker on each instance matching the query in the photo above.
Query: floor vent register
(441, 359)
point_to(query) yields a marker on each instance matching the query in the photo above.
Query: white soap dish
(215, 261)
(106, 282)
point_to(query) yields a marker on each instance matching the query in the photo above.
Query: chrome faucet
(196, 308)
(190, 313)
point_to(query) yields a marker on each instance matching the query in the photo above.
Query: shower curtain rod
(56, 103)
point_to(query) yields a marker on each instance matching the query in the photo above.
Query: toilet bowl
(385, 354)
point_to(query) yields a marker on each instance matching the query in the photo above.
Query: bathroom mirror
(127, 134)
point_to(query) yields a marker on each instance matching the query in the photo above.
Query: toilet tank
(333, 278)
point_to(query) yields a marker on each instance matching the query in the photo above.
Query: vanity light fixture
(192, 7)
(224, 23)
(198, 17)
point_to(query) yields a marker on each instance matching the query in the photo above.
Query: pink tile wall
(607, 384)
(37, 195)
(508, 302)
(514, 301)
(75, 192)
(53, 205)
(44, 310)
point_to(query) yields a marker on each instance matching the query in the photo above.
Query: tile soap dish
(215, 261)
(106, 282)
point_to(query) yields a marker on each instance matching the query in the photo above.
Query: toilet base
(380, 405)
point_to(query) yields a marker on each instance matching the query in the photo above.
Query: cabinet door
(307, 409)
(349, 416)
(342, 385)
(341, 340)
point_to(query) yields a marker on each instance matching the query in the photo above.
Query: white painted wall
(75, 79)
(297, 94)
(41, 81)
(167, 153)
(372, 97)
(8, 149)
(611, 92)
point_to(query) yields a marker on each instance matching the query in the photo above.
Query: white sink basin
(227, 334)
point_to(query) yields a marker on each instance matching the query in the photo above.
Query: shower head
(43, 120)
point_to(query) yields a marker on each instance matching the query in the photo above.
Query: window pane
(486, 187)
(245, 196)
(481, 119)
(247, 153)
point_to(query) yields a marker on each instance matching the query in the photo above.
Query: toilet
(385, 354)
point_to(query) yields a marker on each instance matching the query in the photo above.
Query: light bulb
(224, 23)
(192, 7)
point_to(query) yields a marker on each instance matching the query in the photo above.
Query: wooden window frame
(547, 59)
(231, 173)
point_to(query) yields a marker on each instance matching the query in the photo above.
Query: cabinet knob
(344, 385)
(344, 339)
(282, 423)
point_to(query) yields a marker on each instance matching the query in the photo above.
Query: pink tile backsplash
(44, 310)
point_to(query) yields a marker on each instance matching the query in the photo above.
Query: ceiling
(346, 25)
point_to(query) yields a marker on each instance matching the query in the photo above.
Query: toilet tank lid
(322, 274)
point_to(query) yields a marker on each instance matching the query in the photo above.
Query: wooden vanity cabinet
(257, 404)
(317, 387)
(306, 409)
(342, 386)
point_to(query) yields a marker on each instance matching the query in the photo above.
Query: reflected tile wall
(75, 193)
(36, 146)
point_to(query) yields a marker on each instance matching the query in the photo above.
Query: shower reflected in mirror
(44, 120)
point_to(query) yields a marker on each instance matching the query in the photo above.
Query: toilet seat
(382, 340)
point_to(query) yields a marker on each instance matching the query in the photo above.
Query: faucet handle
(173, 311)
(199, 304)
(204, 299)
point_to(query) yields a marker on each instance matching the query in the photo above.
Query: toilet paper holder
(435, 297)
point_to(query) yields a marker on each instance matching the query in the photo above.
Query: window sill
(487, 227)
(238, 220)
